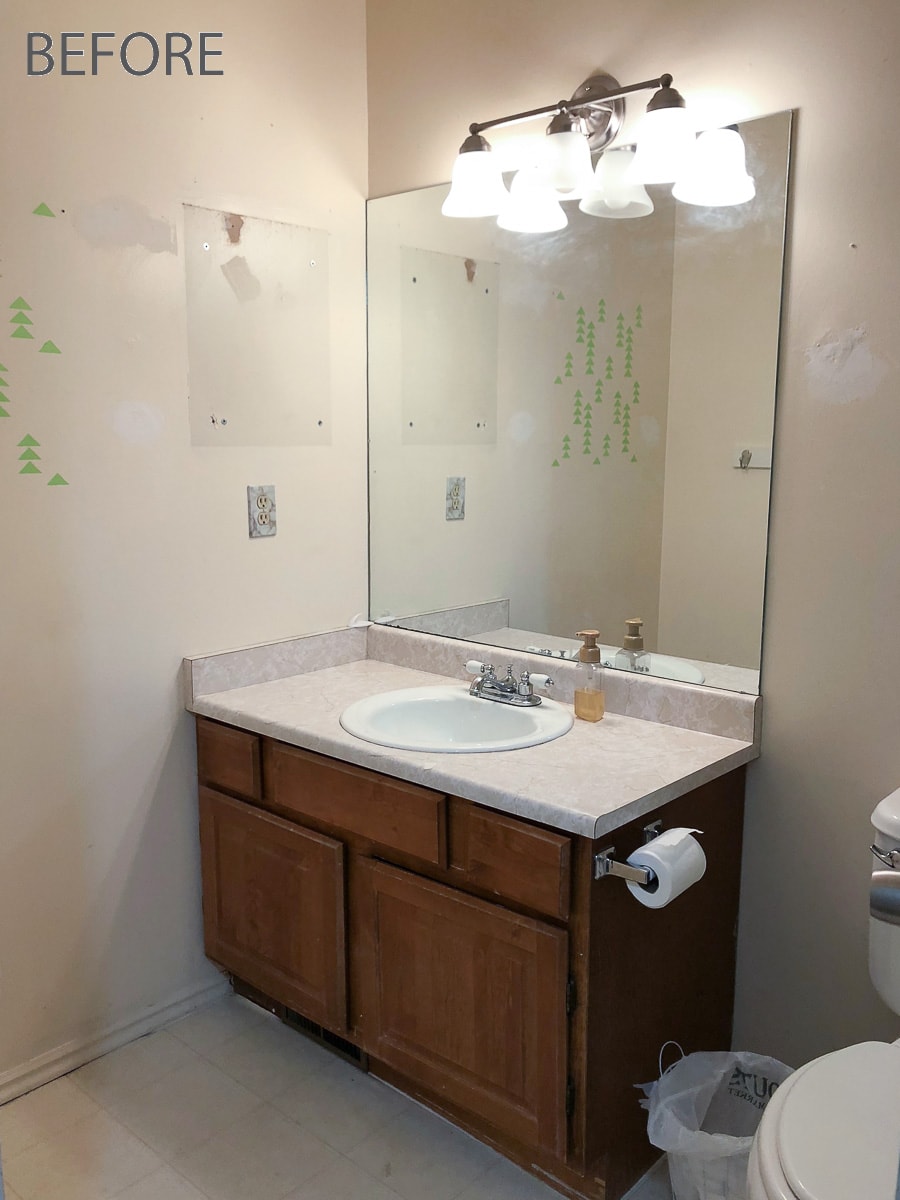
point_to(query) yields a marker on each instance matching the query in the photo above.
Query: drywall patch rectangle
(449, 320)
(258, 331)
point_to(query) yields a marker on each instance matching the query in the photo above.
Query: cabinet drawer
(515, 861)
(228, 759)
(387, 812)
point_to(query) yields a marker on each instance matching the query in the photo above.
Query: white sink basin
(447, 720)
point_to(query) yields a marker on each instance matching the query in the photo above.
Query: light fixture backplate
(602, 124)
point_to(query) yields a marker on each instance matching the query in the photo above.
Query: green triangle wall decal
(43, 211)
(30, 469)
(555, 463)
(3, 412)
(21, 319)
(3, 369)
(3, 383)
(28, 440)
(50, 348)
(57, 481)
(20, 303)
(21, 332)
(4, 399)
(29, 454)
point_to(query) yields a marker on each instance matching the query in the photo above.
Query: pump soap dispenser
(589, 697)
(633, 656)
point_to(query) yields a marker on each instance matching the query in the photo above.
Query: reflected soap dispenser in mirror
(633, 656)
(590, 701)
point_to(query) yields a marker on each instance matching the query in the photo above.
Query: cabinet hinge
(571, 995)
(570, 1098)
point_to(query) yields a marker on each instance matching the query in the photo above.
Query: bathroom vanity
(447, 929)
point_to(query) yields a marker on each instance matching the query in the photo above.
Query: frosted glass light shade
(476, 186)
(715, 174)
(666, 137)
(612, 194)
(532, 206)
(568, 166)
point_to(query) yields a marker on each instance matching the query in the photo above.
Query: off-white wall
(144, 557)
(832, 643)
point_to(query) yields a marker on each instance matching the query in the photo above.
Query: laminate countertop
(592, 780)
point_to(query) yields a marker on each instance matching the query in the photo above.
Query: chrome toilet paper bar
(605, 864)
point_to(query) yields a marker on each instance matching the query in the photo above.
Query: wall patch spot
(43, 211)
(233, 226)
(840, 367)
(113, 224)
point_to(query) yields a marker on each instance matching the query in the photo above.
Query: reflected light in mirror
(532, 206)
(715, 173)
(612, 193)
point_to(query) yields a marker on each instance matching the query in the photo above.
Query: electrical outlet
(261, 510)
(456, 498)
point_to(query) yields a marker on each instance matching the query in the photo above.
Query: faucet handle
(536, 679)
(474, 667)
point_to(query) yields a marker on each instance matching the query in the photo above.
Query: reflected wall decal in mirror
(592, 389)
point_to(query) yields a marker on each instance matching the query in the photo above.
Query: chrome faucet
(508, 690)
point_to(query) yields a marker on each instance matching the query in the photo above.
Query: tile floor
(229, 1104)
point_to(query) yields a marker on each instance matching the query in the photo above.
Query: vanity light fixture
(585, 124)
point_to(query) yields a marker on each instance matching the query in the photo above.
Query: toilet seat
(832, 1130)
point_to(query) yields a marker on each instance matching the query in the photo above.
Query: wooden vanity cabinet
(468, 954)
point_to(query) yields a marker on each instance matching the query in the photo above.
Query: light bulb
(665, 139)
(532, 206)
(476, 183)
(612, 194)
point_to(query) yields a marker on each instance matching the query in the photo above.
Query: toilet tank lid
(840, 1127)
(886, 817)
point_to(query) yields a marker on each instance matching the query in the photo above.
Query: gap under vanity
(440, 917)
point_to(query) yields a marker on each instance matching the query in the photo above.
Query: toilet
(832, 1130)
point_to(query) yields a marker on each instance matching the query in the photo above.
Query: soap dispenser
(589, 697)
(633, 656)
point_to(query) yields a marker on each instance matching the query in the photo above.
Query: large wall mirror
(573, 429)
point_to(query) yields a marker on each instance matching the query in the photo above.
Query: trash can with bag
(704, 1111)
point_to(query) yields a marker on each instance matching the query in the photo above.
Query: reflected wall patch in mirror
(448, 323)
(631, 357)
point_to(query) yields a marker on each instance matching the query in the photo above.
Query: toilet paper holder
(605, 862)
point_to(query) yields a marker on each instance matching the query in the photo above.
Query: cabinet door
(467, 999)
(273, 906)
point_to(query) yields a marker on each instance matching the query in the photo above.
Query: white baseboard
(69, 1056)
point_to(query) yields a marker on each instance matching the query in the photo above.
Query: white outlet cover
(261, 510)
(456, 498)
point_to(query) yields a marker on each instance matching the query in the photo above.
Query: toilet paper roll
(677, 860)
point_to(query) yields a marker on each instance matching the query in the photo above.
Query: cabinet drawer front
(466, 999)
(228, 759)
(398, 816)
(273, 906)
(518, 862)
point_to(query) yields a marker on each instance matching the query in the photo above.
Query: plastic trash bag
(703, 1111)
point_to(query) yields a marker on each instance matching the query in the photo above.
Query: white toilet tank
(884, 902)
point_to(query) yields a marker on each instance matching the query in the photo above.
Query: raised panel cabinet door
(273, 906)
(467, 999)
